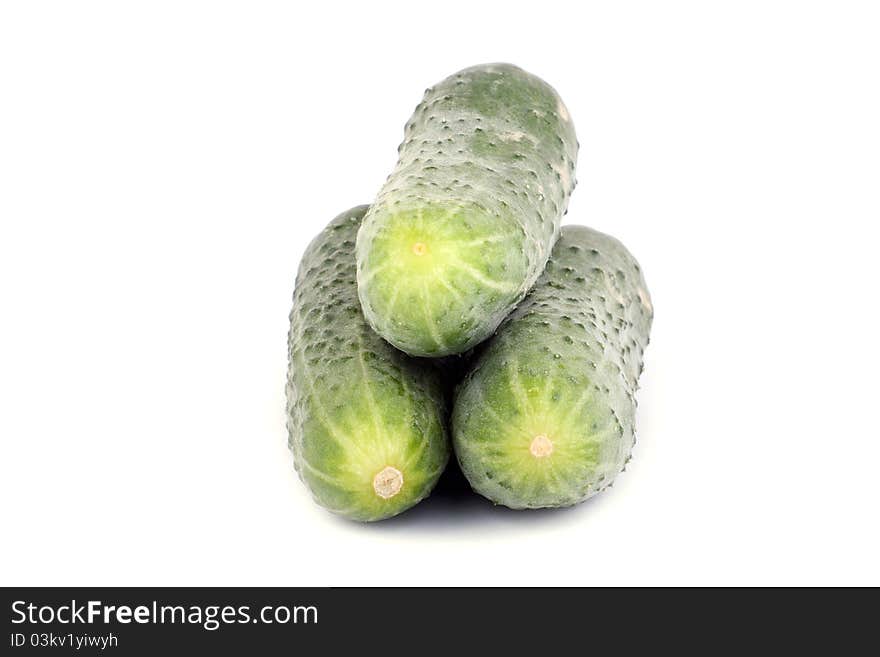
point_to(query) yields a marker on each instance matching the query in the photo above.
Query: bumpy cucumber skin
(483, 179)
(565, 365)
(355, 404)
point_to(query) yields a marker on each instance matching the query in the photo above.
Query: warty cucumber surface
(366, 423)
(545, 417)
(464, 224)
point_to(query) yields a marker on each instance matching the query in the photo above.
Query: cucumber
(545, 416)
(465, 222)
(366, 423)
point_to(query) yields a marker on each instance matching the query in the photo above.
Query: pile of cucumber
(454, 314)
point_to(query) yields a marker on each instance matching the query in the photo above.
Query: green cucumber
(366, 423)
(545, 416)
(465, 222)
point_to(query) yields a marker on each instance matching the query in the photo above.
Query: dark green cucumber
(546, 415)
(465, 223)
(366, 422)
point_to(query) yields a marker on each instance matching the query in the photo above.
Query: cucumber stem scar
(388, 482)
(541, 446)
(419, 248)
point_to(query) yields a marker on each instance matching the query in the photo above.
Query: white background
(164, 164)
